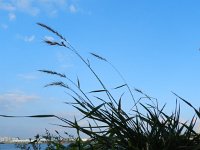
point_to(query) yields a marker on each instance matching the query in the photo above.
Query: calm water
(12, 147)
(7, 147)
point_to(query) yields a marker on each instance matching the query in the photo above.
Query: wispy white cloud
(26, 38)
(26, 6)
(36, 7)
(11, 16)
(62, 57)
(12, 99)
(29, 38)
(8, 6)
(49, 38)
(52, 7)
(72, 8)
(27, 76)
(53, 12)
(19, 5)
(64, 60)
(4, 26)
(56, 2)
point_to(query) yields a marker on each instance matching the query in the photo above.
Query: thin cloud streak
(29, 38)
(7, 6)
(26, 38)
(72, 8)
(17, 97)
(35, 8)
(11, 16)
(64, 60)
(4, 26)
(49, 38)
(26, 6)
(27, 76)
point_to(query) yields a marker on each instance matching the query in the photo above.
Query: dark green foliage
(53, 142)
(111, 127)
(33, 144)
(146, 127)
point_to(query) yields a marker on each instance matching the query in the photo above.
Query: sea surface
(13, 147)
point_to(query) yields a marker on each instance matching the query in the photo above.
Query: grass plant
(146, 127)
(111, 127)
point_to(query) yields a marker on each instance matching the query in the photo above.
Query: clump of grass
(53, 142)
(111, 127)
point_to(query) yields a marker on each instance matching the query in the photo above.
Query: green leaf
(120, 86)
(93, 110)
(196, 111)
(78, 82)
(41, 116)
(32, 116)
(119, 104)
(96, 91)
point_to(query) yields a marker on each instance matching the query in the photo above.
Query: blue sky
(155, 45)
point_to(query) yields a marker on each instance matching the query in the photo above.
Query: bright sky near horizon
(155, 45)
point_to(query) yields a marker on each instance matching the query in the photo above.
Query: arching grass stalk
(121, 76)
(66, 44)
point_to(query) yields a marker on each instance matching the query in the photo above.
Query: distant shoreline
(29, 142)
